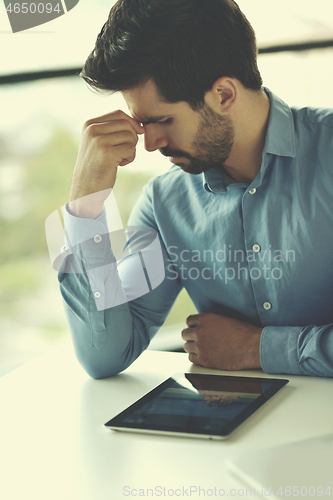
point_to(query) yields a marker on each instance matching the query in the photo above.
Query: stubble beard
(212, 144)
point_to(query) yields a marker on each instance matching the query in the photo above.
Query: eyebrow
(153, 119)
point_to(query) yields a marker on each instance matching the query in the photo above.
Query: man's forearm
(298, 350)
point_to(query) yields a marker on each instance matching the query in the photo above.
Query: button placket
(257, 266)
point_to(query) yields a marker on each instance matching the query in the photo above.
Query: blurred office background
(40, 125)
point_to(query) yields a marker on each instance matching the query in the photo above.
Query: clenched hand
(221, 342)
(107, 142)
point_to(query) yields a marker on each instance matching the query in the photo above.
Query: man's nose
(155, 138)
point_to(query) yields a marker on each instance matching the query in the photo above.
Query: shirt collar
(280, 141)
(280, 137)
(215, 180)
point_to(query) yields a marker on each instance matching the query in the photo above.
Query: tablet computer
(197, 405)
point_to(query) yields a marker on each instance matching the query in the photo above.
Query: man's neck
(251, 124)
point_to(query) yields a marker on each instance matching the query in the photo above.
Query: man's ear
(223, 95)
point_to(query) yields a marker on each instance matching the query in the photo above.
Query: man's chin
(181, 162)
(189, 168)
(188, 165)
(178, 160)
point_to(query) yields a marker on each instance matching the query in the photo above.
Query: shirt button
(253, 191)
(256, 248)
(97, 295)
(97, 238)
(267, 306)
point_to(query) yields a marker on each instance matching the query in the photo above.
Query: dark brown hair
(183, 45)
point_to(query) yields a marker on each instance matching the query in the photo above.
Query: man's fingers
(114, 117)
(125, 152)
(190, 348)
(116, 139)
(194, 320)
(188, 334)
(110, 129)
(107, 142)
(193, 358)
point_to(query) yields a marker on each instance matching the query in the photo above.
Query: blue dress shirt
(260, 253)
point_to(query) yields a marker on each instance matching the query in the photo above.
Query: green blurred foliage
(45, 181)
(45, 186)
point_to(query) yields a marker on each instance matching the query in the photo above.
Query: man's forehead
(145, 103)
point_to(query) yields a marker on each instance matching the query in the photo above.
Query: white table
(54, 446)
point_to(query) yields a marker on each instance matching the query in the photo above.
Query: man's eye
(165, 122)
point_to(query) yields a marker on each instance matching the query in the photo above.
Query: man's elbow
(100, 371)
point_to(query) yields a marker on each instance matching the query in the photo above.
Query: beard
(212, 144)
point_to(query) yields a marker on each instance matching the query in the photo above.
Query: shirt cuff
(89, 240)
(278, 349)
(79, 230)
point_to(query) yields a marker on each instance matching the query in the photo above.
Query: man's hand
(107, 142)
(220, 342)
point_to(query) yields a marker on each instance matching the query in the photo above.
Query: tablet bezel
(117, 424)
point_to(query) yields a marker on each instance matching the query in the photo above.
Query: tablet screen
(210, 406)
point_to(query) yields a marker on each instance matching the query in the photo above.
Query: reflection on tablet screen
(195, 404)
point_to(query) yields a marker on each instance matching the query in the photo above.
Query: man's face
(194, 140)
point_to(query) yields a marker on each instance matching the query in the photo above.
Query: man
(243, 217)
